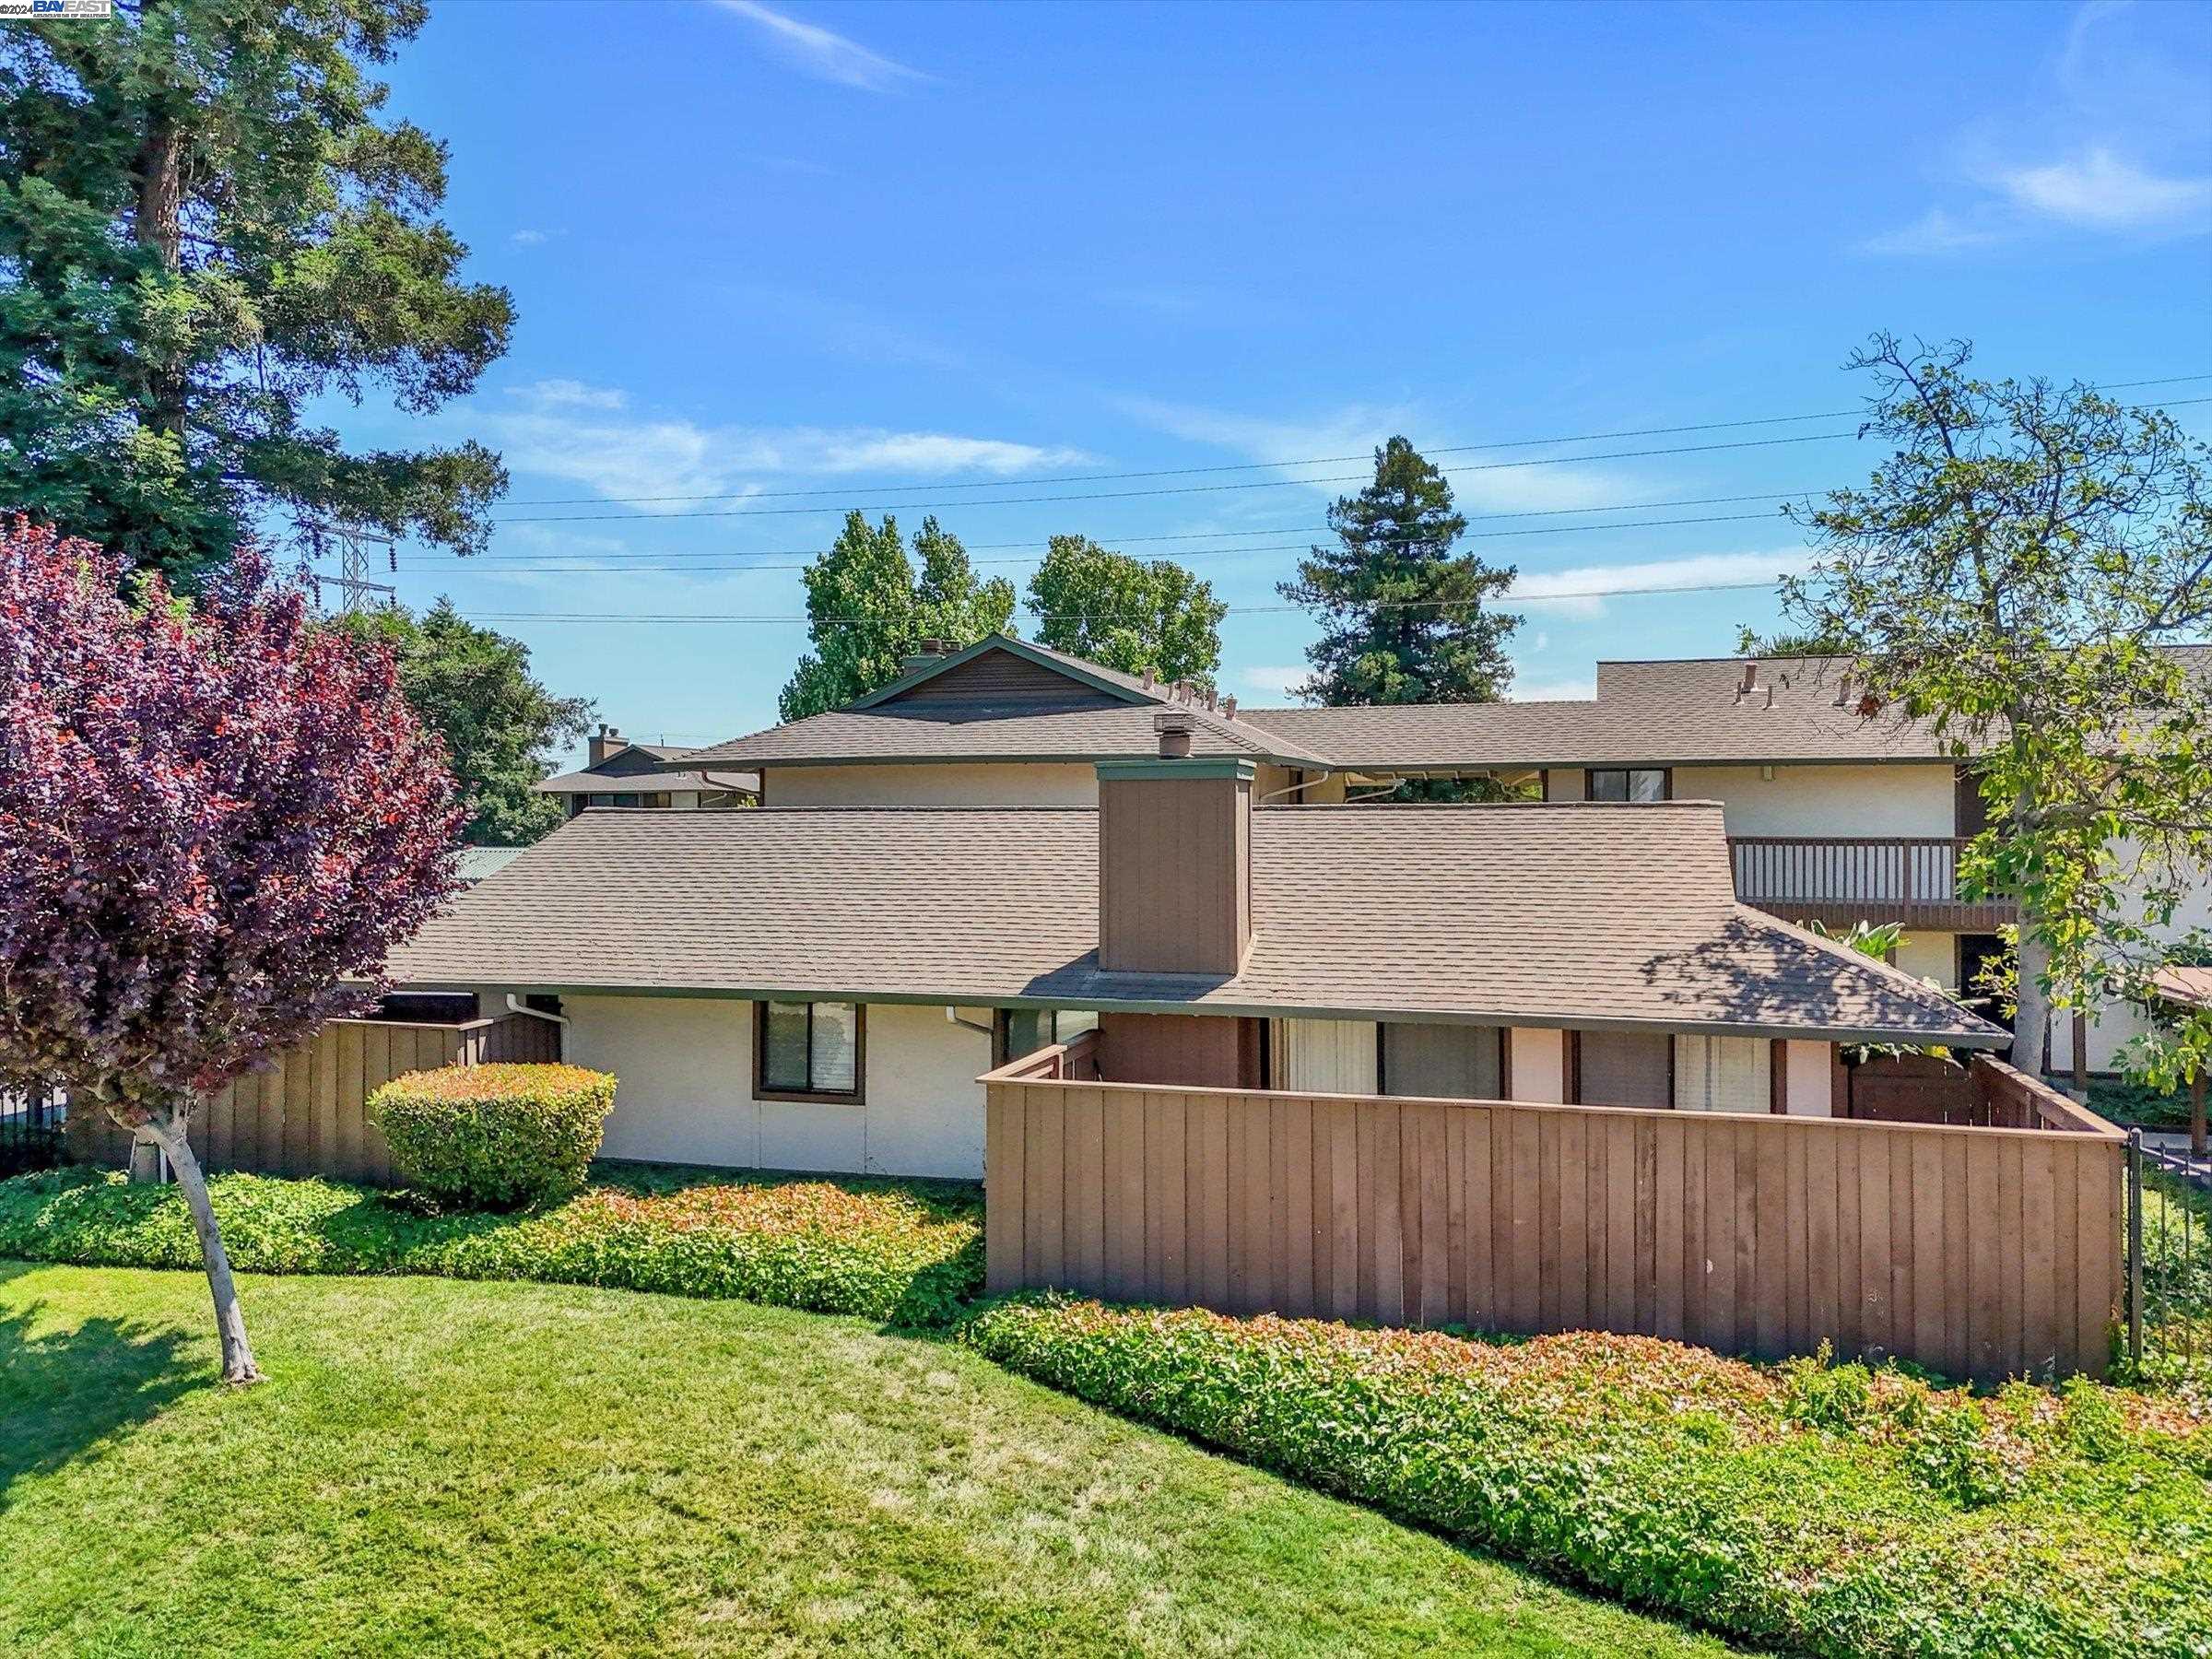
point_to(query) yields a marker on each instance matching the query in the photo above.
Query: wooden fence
(307, 1114)
(1976, 1251)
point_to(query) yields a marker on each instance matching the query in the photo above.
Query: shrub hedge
(907, 1251)
(1812, 1507)
(497, 1136)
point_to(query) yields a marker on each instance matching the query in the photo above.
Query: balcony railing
(1839, 879)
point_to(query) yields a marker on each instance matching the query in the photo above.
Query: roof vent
(1149, 679)
(1769, 697)
(1175, 727)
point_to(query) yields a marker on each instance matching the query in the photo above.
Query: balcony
(1838, 879)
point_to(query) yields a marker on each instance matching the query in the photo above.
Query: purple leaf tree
(214, 819)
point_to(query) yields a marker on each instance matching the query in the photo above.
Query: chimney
(1229, 707)
(1174, 859)
(925, 653)
(1751, 676)
(604, 742)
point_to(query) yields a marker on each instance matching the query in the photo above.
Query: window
(1723, 1073)
(1025, 1030)
(1642, 785)
(808, 1051)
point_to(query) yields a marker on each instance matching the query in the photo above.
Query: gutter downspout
(516, 1005)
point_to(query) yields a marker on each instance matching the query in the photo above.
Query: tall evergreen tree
(1404, 619)
(869, 609)
(1126, 613)
(205, 224)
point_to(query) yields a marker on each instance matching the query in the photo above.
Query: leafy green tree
(1404, 619)
(501, 728)
(868, 609)
(1125, 613)
(205, 224)
(1784, 643)
(2016, 572)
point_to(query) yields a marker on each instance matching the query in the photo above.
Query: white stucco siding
(1902, 798)
(685, 1091)
(1536, 1064)
(1930, 956)
(950, 783)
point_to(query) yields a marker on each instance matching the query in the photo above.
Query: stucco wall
(1899, 799)
(952, 783)
(685, 1090)
(1930, 956)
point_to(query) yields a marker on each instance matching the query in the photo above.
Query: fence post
(2135, 1252)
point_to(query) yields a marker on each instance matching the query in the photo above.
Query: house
(618, 773)
(1833, 814)
(821, 987)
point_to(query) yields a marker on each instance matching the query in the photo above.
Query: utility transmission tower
(352, 580)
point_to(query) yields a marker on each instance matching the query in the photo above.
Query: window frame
(1002, 1032)
(1628, 784)
(855, 1095)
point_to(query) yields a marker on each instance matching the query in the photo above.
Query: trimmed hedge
(1812, 1508)
(500, 1136)
(906, 1251)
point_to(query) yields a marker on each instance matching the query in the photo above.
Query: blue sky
(919, 253)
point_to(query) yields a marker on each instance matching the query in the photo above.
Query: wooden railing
(1075, 1061)
(307, 1114)
(1838, 879)
(1983, 1252)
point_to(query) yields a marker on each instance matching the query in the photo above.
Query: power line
(1031, 541)
(1184, 472)
(704, 570)
(1118, 495)
(1234, 610)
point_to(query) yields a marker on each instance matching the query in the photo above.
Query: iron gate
(2169, 1334)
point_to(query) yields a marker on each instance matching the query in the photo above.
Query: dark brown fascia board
(1057, 663)
(1091, 758)
(1642, 764)
(1994, 1038)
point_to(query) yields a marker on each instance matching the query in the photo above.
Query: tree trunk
(2034, 1005)
(158, 222)
(167, 1132)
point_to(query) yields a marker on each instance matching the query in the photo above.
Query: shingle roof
(1577, 914)
(903, 732)
(626, 782)
(1644, 714)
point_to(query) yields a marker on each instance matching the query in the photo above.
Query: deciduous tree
(2019, 573)
(215, 818)
(1404, 619)
(500, 725)
(207, 222)
(869, 609)
(1126, 613)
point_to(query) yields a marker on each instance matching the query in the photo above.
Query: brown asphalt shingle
(1563, 915)
(899, 732)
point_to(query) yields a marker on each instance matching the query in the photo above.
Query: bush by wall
(908, 1252)
(1812, 1508)
(495, 1136)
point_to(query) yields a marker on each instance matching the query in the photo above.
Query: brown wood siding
(1174, 874)
(1210, 1050)
(306, 1115)
(1976, 1251)
(1003, 680)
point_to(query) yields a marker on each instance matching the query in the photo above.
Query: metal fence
(30, 1131)
(2168, 1335)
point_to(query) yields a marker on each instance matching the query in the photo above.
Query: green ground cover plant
(1815, 1508)
(455, 1469)
(906, 1251)
(500, 1136)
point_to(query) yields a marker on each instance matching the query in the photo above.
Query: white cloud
(529, 239)
(1566, 690)
(1272, 680)
(823, 54)
(1353, 433)
(1934, 232)
(585, 434)
(2099, 190)
(1583, 591)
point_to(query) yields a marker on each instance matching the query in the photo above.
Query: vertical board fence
(307, 1114)
(1976, 1251)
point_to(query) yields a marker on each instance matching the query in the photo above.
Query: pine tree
(205, 225)
(1404, 619)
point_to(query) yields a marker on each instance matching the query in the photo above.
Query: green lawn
(439, 1467)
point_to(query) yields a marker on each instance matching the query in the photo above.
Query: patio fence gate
(2169, 1262)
